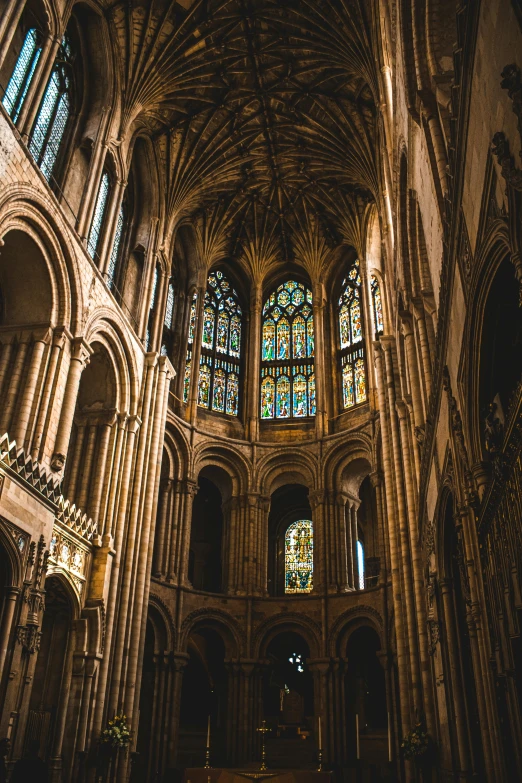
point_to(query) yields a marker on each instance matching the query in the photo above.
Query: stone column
(254, 361)
(105, 429)
(5, 359)
(161, 532)
(111, 224)
(76, 459)
(14, 381)
(180, 660)
(80, 354)
(424, 349)
(321, 422)
(11, 598)
(8, 24)
(86, 468)
(415, 387)
(58, 342)
(27, 400)
(190, 490)
(321, 540)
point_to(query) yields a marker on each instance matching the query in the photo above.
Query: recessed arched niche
(290, 536)
(206, 567)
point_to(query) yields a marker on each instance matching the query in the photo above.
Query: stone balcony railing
(73, 533)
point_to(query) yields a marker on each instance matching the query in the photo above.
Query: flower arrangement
(117, 733)
(415, 743)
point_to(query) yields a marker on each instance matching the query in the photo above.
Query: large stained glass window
(287, 354)
(22, 75)
(299, 557)
(218, 384)
(351, 334)
(54, 112)
(378, 320)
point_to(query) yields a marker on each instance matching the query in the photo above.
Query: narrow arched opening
(204, 700)
(207, 530)
(291, 541)
(288, 702)
(365, 697)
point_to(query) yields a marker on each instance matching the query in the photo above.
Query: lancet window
(116, 248)
(287, 354)
(351, 334)
(152, 305)
(54, 112)
(360, 564)
(299, 557)
(23, 72)
(378, 320)
(190, 346)
(218, 383)
(99, 215)
(168, 321)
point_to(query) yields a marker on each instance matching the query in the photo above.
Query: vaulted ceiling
(264, 118)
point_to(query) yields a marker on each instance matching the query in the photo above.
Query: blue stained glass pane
(298, 338)
(186, 379)
(99, 214)
(22, 75)
(377, 306)
(111, 271)
(204, 382)
(360, 564)
(169, 309)
(154, 288)
(45, 115)
(218, 392)
(283, 340)
(222, 333)
(268, 341)
(299, 557)
(311, 396)
(348, 389)
(300, 401)
(208, 328)
(55, 137)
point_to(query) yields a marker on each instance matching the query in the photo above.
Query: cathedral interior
(261, 390)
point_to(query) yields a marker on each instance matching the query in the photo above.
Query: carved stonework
(429, 538)
(458, 432)
(29, 636)
(433, 635)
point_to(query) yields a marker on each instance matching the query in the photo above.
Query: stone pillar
(111, 224)
(254, 362)
(161, 532)
(321, 421)
(355, 537)
(13, 386)
(11, 598)
(86, 468)
(105, 429)
(8, 24)
(80, 354)
(321, 540)
(190, 491)
(179, 661)
(27, 400)
(5, 359)
(58, 342)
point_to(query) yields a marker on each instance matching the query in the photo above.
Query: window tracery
(54, 112)
(168, 321)
(351, 334)
(299, 557)
(23, 72)
(218, 383)
(287, 353)
(116, 248)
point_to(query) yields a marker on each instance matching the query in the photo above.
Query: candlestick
(320, 749)
(320, 738)
(357, 736)
(263, 730)
(390, 754)
(208, 732)
(207, 750)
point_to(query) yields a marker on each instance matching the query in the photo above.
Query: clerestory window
(287, 354)
(352, 342)
(23, 72)
(299, 557)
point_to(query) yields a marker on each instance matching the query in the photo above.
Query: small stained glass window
(98, 215)
(219, 372)
(53, 115)
(169, 309)
(287, 354)
(299, 557)
(116, 247)
(378, 321)
(351, 338)
(20, 81)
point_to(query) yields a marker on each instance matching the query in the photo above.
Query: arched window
(378, 320)
(287, 354)
(351, 333)
(116, 248)
(51, 121)
(22, 75)
(98, 215)
(360, 564)
(218, 385)
(168, 321)
(299, 557)
(191, 334)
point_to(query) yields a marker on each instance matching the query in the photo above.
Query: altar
(216, 775)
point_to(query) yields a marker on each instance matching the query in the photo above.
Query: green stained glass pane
(267, 398)
(218, 392)
(232, 394)
(204, 385)
(348, 389)
(283, 397)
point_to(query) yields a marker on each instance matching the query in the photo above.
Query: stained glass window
(218, 385)
(378, 321)
(98, 215)
(116, 247)
(53, 115)
(360, 564)
(351, 338)
(22, 75)
(287, 354)
(299, 557)
(191, 335)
